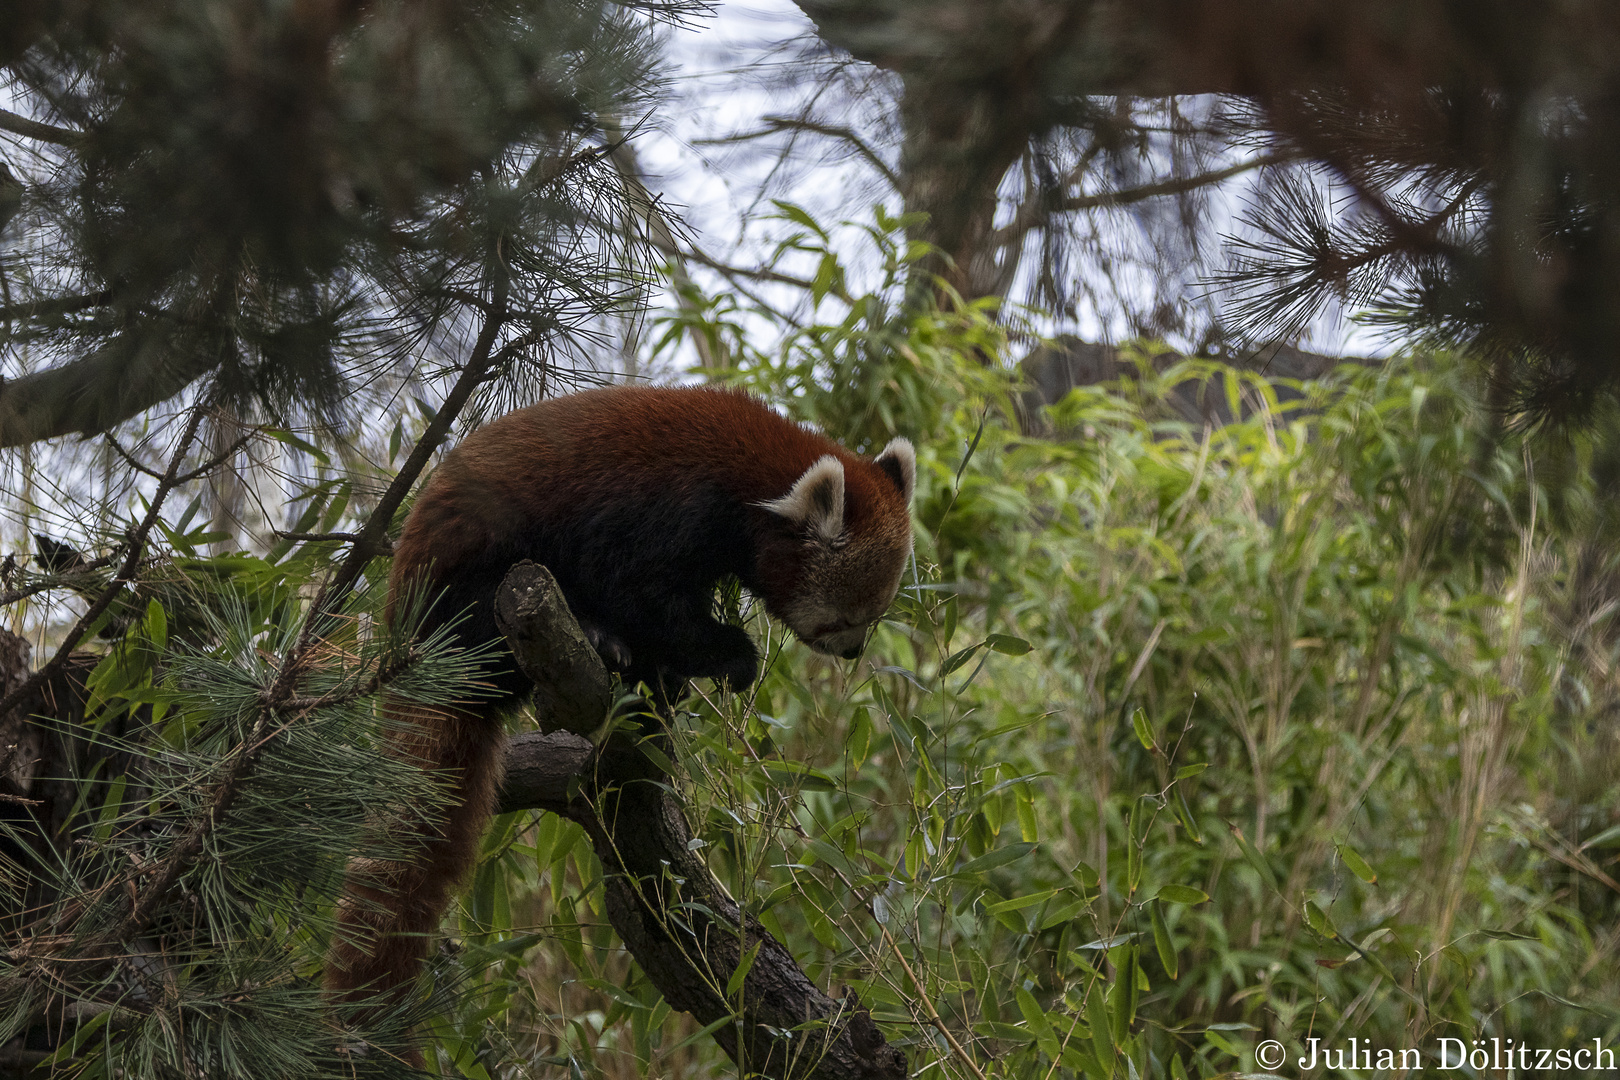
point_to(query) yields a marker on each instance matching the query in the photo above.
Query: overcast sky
(735, 67)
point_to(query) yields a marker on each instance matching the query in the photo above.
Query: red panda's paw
(613, 651)
(737, 674)
(731, 659)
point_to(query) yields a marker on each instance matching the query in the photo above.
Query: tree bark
(681, 926)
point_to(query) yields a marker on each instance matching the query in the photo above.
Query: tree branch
(660, 228)
(683, 928)
(34, 129)
(92, 394)
(572, 689)
(82, 572)
(779, 124)
(380, 547)
(373, 537)
(1033, 213)
(54, 306)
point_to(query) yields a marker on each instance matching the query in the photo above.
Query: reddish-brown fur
(505, 474)
(638, 500)
(390, 909)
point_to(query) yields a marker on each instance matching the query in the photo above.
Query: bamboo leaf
(1162, 940)
(1358, 866)
(744, 966)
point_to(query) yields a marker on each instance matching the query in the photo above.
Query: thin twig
(933, 1013)
(779, 124)
(217, 460)
(1035, 212)
(130, 460)
(696, 255)
(382, 547)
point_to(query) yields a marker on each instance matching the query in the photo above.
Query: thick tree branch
(34, 129)
(1160, 48)
(572, 690)
(54, 307)
(682, 927)
(97, 392)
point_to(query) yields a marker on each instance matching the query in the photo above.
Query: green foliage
(1178, 739)
(246, 811)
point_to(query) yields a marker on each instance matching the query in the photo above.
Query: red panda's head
(841, 542)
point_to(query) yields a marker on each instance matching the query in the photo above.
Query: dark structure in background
(1051, 371)
(1479, 142)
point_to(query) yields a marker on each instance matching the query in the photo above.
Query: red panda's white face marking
(846, 579)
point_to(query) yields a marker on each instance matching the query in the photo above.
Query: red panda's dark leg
(391, 909)
(709, 648)
(699, 649)
(659, 632)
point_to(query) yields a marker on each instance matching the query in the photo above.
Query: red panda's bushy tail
(390, 910)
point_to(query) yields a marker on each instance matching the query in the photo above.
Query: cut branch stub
(572, 690)
(679, 923)
(541, 768)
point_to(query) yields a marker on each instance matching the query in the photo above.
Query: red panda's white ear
(816, 501)
(899, 460)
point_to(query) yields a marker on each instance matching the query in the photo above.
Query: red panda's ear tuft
(899, 460)
(816, 501)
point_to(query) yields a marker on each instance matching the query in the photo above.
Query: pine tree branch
(54, 306)
(779, 124)
(92, 394)
(1034, 212)
(1171, 186)
(373, 536)
(41, 132)
(381, 547)
(61, 581)
(208, 466)
(280, 701)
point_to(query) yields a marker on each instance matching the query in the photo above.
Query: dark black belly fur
(639, 578)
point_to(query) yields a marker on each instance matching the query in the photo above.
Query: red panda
(639, 501)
